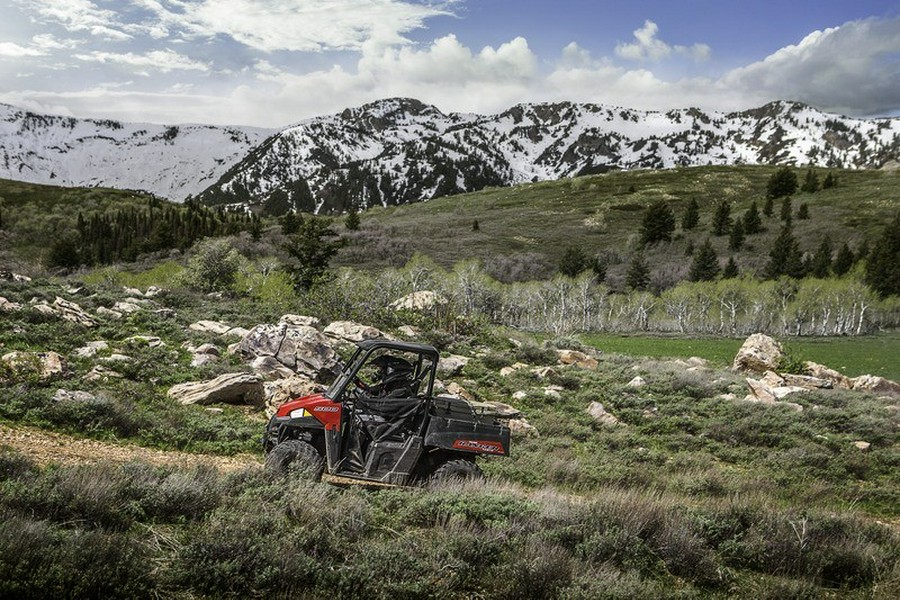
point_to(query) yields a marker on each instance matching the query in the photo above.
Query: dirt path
(45, 447)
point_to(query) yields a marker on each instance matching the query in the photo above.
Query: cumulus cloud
(13, 50)
(851, 68)
(648, 47)
(78, 15)
(163, 61)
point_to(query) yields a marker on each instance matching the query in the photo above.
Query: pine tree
(768, 207)
(351, 221)
(691, 216)
(736, 238)
(638, 275)
(782, 183)
(705, 266)
(310, 250)
(574, 261)
(830, 181)
(786, 209)
(803, 212)
(883, 262)
(289, 223)
(658, 223)
(785, 257)
(820, 264)
(810, 182)
(752, 220)
(475, 225)
(731, 269)
(721, 224)
(689, 249)
(843, 262)
(598, 266)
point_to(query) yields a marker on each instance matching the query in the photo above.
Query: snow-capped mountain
(400, 150)
(170, 161)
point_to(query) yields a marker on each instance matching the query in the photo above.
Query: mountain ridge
(401, 150)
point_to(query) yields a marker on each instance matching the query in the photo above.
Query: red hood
(305, 402)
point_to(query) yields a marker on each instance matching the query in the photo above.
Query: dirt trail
(45, 447)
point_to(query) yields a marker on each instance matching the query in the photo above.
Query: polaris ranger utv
(379, 422)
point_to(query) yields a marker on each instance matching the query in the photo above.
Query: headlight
(299, 413)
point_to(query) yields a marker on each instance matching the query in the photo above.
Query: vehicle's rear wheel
(459, 469)
(296, 455)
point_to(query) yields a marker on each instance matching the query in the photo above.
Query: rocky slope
(170, 161)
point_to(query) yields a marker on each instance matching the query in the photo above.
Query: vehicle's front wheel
(296, 455)
(457, 470)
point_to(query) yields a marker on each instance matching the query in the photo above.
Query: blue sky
(274, 62)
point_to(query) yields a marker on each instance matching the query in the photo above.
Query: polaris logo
(327, 408)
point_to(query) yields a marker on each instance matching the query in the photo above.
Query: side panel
(468, 436)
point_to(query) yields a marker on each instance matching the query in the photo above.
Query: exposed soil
(48, 448)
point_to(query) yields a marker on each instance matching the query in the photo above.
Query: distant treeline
(122, 235)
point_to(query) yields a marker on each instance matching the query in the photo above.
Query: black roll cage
(365, 349)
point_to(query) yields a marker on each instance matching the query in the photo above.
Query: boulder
(10, 276)
(73, 396)
(544, 372)
(807, 382)
(236, 332)
(758, 354)
(210, 349)
(302, 349)
(507, 371)
(303, 320)
(102, 311)
(91, 349)
(419, 301)
(126, 308)
(520, 395)
(874, 383)
(150, 340)
(521, 426)
(282, 390)
(408, 331)
(350, 332)
(231, 388)
(577, 358)
(153, 291)
(102, 374)
(760, 392)
(861, 445)
(64, 309)
(636, 382)
(599, 414)
(270, 368)
(823, 372)
(7, 306)
(116, 357)
(452, 364)
(132, 291)
(554, 392)
(215, 327)
(43, 364)
(454, 389)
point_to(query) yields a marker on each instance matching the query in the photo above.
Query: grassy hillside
(602, 213)
(693, 494)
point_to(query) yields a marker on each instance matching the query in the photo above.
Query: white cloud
(298, 25)
(163, 61)
(852, 68)
(77, 16)
(46, 41)
(648, 47)
(13, 50)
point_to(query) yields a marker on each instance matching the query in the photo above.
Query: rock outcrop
(419, 301)
(577, 358)
(299, 348)
(599, 413)
(40, 364)
(758, 354)
(231, 388)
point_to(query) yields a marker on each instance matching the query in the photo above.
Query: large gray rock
(231, 388)
(302, 349)
(42, 364)
(835, 377)
(64, 309)
(452, 364)
(7, 306)
(874, 383)
(758, 354)
(599, 413)
(283, 390)
(91, 349)
(577, 358)
(204, 326)
(350, 332)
